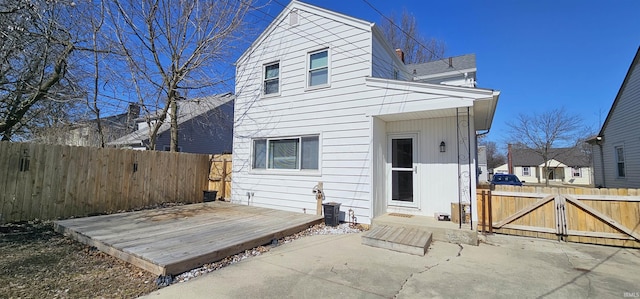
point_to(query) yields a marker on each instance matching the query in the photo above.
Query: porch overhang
(483, 102)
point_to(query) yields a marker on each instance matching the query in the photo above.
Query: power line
(409, 35)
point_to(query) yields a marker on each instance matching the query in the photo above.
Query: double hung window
(318, 68)
(271, 79)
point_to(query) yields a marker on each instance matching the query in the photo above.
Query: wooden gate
(562, 213)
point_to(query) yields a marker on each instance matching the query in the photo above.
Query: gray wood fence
(41, 181)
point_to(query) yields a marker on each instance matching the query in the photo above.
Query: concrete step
(402, 239)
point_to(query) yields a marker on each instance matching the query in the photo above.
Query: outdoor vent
(293, 17)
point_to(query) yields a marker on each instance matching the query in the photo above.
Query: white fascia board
(554, 163)
(447, 74)
(301, 6)
(420, 106)
(428, 88)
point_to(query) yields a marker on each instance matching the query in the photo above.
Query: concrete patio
(338, 266)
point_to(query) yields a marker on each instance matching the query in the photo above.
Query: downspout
(599, 142)
(459, 175)
(469, 167)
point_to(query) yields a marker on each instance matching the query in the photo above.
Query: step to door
(402, 239)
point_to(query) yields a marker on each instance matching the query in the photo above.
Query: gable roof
(294, 4)
(567, 156)
(187, 110)
(463, 63)
(635, 61)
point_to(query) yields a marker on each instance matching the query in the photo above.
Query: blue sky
(539, 54)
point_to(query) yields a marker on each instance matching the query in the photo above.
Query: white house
(322, 97)
(565, 165)
(616, 148)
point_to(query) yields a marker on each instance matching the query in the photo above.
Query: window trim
(264, 79)
(528, 168)
(308, 70)
(576, 170)
(298, 170)
(618, 162)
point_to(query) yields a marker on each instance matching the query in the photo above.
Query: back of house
(321, 97)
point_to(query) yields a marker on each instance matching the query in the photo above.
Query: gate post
(561, 217)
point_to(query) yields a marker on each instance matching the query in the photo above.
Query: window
(286, 153)
(271, 78)
(526, 171)
(620, 161)
(576, 172)
(318, 68)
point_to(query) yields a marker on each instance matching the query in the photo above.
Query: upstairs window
(620, 161)
(318, 68)
(271, 78)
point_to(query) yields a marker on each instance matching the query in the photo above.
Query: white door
(403, 187)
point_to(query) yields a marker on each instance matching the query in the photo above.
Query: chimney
(450, 61)
(400, 54)
(509, 159)
(134, 110)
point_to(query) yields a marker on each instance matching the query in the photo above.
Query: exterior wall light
(443, 147)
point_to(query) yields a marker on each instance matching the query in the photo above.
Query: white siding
(437, 172)
(379, 164)
(344, 133)
(384, 62)
(622, 129)
(352, 139)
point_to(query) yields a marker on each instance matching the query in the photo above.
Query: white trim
(278, 171)
(438, 75)
(416, 175)
(308, 69)
(264, 79)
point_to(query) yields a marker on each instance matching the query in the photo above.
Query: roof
(567, 156)
(458, 64)
(187, 110)
(635, 61)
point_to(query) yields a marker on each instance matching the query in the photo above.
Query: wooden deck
(173, 240)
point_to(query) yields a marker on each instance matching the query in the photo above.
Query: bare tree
(403, 33)
(171, 48)
(35, 49)
(494, 157)
(542, 132)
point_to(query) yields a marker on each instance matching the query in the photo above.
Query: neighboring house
(457, 71)
(504, 168)
(321, 97)
(85, 133)
(483, 170)
(566, 165)
(205, 126)
(616, 148)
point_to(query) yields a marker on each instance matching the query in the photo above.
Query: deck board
(177, 239)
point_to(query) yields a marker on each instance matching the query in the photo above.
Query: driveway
(338, 266)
